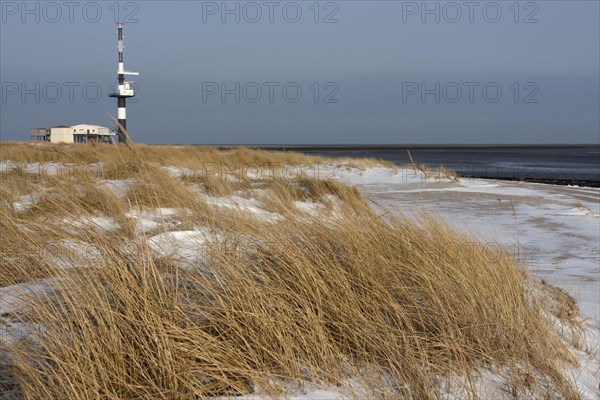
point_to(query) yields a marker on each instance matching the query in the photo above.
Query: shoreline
(511, 174)
(581, 183)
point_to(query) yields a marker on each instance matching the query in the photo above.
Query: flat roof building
(82, 133)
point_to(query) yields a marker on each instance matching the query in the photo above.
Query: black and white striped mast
(124, 88)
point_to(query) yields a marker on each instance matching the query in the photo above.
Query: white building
(82, 133)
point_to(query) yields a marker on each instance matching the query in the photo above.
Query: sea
(575, 165)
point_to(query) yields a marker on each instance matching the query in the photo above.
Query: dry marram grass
(395, 306)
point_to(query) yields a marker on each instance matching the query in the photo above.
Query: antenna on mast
(124, 88)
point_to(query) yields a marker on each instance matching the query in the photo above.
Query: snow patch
(178, 172)
(251, 206)
(99, 223)
(309, 208)
(188, 247)
(25, 203)
(73, 253)
(117, 187)
(149, 220)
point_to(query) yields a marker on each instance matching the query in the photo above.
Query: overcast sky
(344, 72)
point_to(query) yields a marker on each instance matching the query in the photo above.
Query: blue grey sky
(307, 72)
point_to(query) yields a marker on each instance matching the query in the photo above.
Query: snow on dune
(241, 204)
(98, 223)
(13, 301)
(12, 297)
(149, 220)
(25, 203)
(178, 172)
(118, 187)
(377, 175)
(6, 166)
(310, 208)
(189, 247)
(74, 253)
